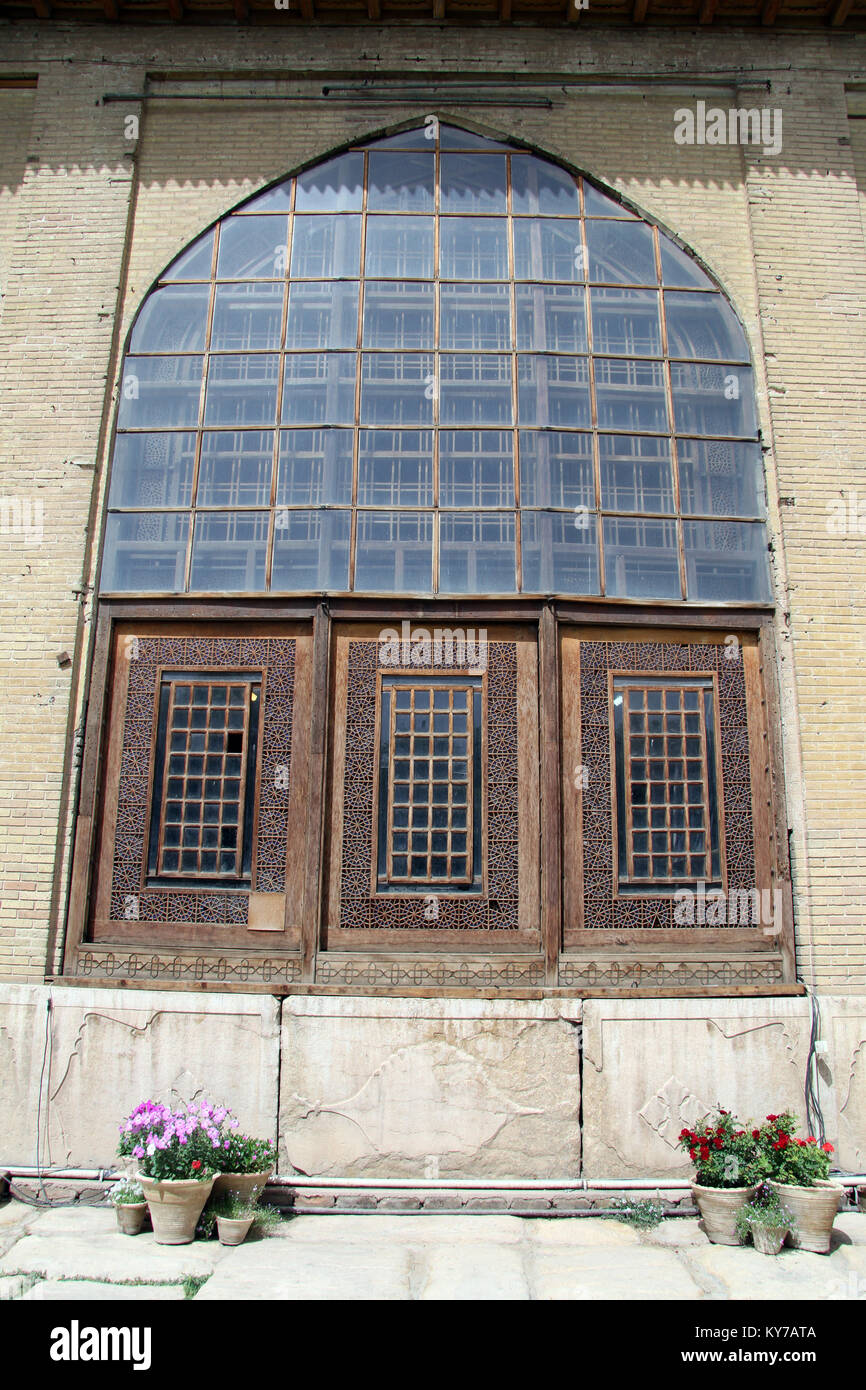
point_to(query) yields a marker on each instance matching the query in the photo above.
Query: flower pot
(246, 1186)
(175, 1206)
(233, 1230)
(769, 1239)
(718, 1207)
(814, 1210)
(130, 1217)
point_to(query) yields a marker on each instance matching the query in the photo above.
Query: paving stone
(581, 1231)
(399, 1204)
(574, 1203)
(88, 1291)
(607, 1272)
(323, 1271)
(357, 1201)
(13, 1286)
(742, 1272)
(474, 1273)
(77, 1220)
(16, 1214)
(316, 1199)
(853, 1225)
(407, 1230)
(444, 1201)
(113, 1257)
(676, 1231)
(487, 1204)
(531, 1204)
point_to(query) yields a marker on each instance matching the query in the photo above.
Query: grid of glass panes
(201, 825)
(437, 365)
(430, 784)
(668, 836)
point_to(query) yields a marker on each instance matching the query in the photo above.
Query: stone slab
(13, 1286)
(843, 1070)
(110, 1258)
(680, 1231)
(739, 1272)
(407, 1230)
(111, 1049)
(591, 1273)
(475, 1273)
(851, 1226)
(652, 1066)
(430, 1087)
(321, 1271)
(89, 1291)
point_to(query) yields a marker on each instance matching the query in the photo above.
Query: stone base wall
(427, 1088)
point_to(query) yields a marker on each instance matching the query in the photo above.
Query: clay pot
(233, 1230)
(718, 1207)
(175, 1206)
(769, 1240)
(130, 1217)
(814, 1210)
(246, 1186)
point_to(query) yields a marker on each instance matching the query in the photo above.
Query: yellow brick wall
(784, 235)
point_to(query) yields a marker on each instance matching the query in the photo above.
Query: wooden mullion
(313, 876)
(551, 795)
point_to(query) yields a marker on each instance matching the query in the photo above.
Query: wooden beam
(314, 873)
(551, 794)
(638, 14)
(241, 10)
(504, 11)
(841, 12)
(438, 9)
(110, 10)
(374, 9)
(708, 12)
(573, 11)
(43, 10)
(175, 10)
(307, 11)
(769, 12)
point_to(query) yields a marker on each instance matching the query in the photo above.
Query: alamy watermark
(24, 517)
(713, 125)
(441, 646)
(746, 907)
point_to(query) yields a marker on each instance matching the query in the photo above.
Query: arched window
(437, 364)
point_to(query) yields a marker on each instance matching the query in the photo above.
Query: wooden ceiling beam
(374, 9)
(307, 11)
(42, 8)
(574, 9)
(110, 10)
(504, 11)
(241, 9)
(175, 10)
(769, 12)
(841, 12)
(438, 9)
(638, 14)
(708, 12)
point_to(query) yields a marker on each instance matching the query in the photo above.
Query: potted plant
(236, 1215)
(178, 1158)
(798, 1170)
(127, 1197)
(246, 1165)
(729, 1164)
(766, 1220)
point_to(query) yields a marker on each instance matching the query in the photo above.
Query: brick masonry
(88, 218)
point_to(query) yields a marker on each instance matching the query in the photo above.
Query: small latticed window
(430, 784)
(204, 772)
(666, 782)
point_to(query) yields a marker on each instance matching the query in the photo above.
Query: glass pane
(718, 478)
(626, 322)
(394, 552)
(241, 390)
(636, 474)
(475, 390)
(395, 468)
(473, 248)
(159, 391)
(397, 388)
(678, 268)
(326, 248)
(472, 183)
(537, 187)
(640, 559)
(477, 553)
(235, 468)
(194, 263)
(335, 186)
(152, 470)
(172, 319)
(311, 551)
(400, 182)
(314, 467)
(726, 561)
(630, 395)
(556, 469)
(398, 314)
(276, 199)
(551, 317)
(714, 400)
(548, 249)
(247, 317)
(560, 553)
(145, 551)
(252, 248)
(319, 388)
(704, 325)
(476, 468)
(451, 137)
(229, 551)
(475, 317)
(421, 137)
(598, 204)
(553, 391)
(322, 314)
(399, 248)
(621, 253)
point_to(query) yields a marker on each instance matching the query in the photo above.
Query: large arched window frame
(437, 366)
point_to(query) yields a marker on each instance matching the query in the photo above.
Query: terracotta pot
(233, 1230)
(175, 1206)
(718, 1207)
(814, 1210)
(246, 1186)
(130, 1217)
(768, 1240)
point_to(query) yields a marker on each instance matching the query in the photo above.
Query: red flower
(756, 1134)
(739, 1133)
(811, 1139)
(772, 1117)
(705, 1153)
(718, 1143)
(801, 1143)
(693, 1153)
(196, 1163)
(828, 1148)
